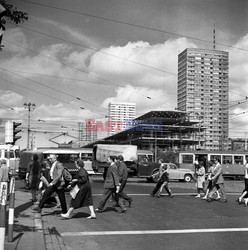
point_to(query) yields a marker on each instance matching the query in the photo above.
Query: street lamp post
(30, 107)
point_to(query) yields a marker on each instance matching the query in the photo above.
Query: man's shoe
(204, 198)
(97, 210)
(171, 196)
(123, 211)
(158, 195)
(37, 209)
(130, 203)
(152, 195)
(224, 200)
(209, 199)
(198, 196)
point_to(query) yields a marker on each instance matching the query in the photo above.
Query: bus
(14, 157)
(232, 162)
(67, 156)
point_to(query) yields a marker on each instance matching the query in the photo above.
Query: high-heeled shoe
(66, 216)
(91, 217)
(246, 202)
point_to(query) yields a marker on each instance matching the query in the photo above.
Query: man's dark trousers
(61, 194)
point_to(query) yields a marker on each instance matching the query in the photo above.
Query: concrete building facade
(119, 112)
(203, 92)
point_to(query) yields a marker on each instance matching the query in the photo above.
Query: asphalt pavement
(148, 224)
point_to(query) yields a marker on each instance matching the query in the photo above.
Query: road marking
(164, 194)
(183, 231)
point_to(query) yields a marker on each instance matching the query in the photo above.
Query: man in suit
(217, 181)
(56, 185)
(123, 174)
(111, 186)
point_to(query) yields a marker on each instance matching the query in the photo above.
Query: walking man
(123, 174)
(56, 185)
(111, 186)
(217, 181)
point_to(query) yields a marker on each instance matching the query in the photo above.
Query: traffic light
(16, 131)
(11, 131)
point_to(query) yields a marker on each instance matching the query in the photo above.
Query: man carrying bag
(56, 185)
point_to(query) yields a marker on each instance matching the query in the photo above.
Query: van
(14, 156)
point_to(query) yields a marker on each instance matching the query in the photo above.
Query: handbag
(74, 191)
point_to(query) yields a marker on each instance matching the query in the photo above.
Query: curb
(53, 239)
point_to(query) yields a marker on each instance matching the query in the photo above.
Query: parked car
(175, 173)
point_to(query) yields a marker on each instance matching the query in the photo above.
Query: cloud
(10, 98)
(146, 99)
(71, 33)
(140, 63)
(15, 41)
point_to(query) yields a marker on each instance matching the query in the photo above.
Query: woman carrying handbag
(83, 196)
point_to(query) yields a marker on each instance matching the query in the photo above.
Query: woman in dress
(200, 181)
(84, 196)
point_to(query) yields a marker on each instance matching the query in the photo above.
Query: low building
(166, 130)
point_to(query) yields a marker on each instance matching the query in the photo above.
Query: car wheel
(155, 175)
(187, 178)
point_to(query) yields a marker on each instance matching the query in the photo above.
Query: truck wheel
(187, 178)
(155, 175)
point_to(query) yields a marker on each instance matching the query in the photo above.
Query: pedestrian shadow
(80, 215)
(109, 209)
(21, 208)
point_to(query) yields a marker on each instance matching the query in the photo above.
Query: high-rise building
(203, 86)
(118, 113)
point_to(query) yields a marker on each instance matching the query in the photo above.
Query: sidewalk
(31, 232)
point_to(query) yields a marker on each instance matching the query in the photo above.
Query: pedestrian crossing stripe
(142, 232)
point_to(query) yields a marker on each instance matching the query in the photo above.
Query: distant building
(119, 112)
(203, 85)
(85, 135)
(164, 130)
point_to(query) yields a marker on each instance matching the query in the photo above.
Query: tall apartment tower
(119, 112)
(203, 92)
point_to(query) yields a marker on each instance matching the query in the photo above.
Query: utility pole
(30, 107)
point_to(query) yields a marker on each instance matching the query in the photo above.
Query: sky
(72, 57)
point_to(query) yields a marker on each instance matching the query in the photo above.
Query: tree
(12, 13)
(169, 156)
(8, 11)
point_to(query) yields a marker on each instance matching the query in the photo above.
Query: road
(182, 222)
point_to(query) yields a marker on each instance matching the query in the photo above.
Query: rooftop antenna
(214, 32)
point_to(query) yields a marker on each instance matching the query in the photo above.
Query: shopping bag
(74, 192)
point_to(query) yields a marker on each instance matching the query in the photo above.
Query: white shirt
(52, 169)
(246, 170)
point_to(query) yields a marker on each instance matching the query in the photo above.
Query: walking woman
(200, 181)
(33, 175)
(84, 196)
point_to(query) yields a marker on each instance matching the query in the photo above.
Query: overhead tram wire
(64, 64)
(57, 90)
(97, 50)
(131, 24)
(53, 97)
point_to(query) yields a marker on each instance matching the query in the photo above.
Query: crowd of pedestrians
(215, 179)
(48, 178)
(114, 184)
